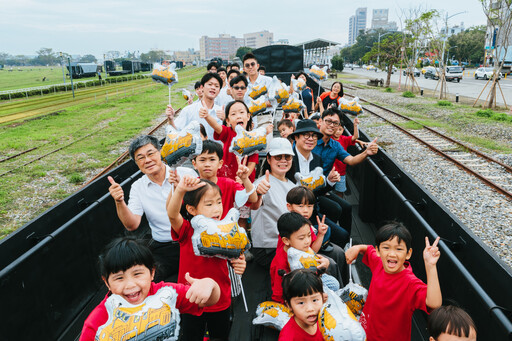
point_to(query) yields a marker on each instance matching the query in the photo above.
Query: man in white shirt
(211, 83)
(148, 196)
(255, 79)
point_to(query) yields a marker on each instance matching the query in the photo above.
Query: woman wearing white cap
(272, 189)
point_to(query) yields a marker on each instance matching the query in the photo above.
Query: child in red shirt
(294, 231)
(395, 292)
(128, 269)
(340, 167)
(304, 294)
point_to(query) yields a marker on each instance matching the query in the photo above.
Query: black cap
(306, 126)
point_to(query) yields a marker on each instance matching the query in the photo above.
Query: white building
(453, 30)
(258, 39)
(224, 46)
(357, 23)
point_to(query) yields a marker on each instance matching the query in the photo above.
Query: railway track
(490, 171)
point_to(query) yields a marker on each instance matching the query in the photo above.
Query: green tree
(88, 58)
(337, 62)
(154, 56)
(468, 46)
(240, 53)
(46, 56)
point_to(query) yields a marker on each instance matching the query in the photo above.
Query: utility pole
(71, 76)
(62, 67)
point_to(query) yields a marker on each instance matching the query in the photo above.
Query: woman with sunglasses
(272, 188)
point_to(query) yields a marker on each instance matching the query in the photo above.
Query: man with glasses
(148, 196)
(254, 78)
(238, 88)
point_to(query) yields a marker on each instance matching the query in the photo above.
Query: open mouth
(133, 297)
(392, 263)
(312, 318)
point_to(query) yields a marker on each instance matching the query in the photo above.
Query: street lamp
(62, 67)
(378, 55)
(446, 33)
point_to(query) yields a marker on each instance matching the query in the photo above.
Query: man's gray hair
(141, 141)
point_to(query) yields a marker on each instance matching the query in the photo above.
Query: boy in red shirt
(340, 167)
(395, 292)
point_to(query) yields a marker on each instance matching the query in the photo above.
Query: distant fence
(54, 88)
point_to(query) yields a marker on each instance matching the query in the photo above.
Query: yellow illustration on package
(272, 314)
(173, 142)
(293, 105)
(257, 91)
(255, 107)
(313, 180)
(223, 239)
(248, 142)
(157, 318)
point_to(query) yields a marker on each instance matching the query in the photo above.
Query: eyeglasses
(142, 158)
(286, 157)
(239, 87)
(311, 136)
(332, 123)
(248, 65)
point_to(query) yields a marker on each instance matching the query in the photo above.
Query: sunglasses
(248, 65)
(239, 87)
(279, 157)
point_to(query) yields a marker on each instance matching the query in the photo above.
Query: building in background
(281, 42)
(187, 57)
(453, 30)
(224, 46)
(357, 23)
(258, 39)
(380, 20)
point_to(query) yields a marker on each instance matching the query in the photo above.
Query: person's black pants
(217, 323)
(336, 209)
(167, 259)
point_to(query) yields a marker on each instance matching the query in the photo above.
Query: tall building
(453, 30)
(258, 39)
(357, 23)
(224, 46)
(187, 57)
(380, 21)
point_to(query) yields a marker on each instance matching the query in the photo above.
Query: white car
(486, 73)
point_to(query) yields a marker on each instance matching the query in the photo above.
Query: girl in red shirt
(330, 98)
(201, 197)
(304, 295)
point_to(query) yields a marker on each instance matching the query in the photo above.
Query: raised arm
(203, 292)
(130, 220)
(187, 183)
(322, 229)
(203, 113)
(243, 173)
(352, 253)
(431, 255)
(355, 136)
(371, 149)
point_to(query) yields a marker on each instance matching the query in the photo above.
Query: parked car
(486, 73)
(453, 73)
(432, 73)
(371, 68)
(414, 71)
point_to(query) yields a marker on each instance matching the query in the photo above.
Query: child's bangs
(301, 283)
(300, 196)
(124, 254)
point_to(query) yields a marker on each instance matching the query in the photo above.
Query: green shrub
(388, 89)
(484, 113)
(76, 178)
(408, 94)
(444, 103)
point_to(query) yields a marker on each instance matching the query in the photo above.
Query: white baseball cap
(279, 146)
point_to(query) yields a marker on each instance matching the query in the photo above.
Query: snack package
(299, 85)
(318, 73)
(354, 296)
(351, 107)
(257, 91)
(293, 105)
(246, 143)
(258, 106)
(182, 145)
(313, 180)
(156, 318)
(272, 314)
(279, 91)
(219, 238)
(302, 260)
(187, 94)
(166, 75)
(337, 321)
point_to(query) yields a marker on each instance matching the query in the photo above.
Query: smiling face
(237, 115)
(279, 164)
(393, 255)
(207, 165)
(338, 132)
(300, 239)
(306, 309)
(133, 284)
(149, 160)
(210, 205)
(284, 130)
(336, 88)
(238, 91)
(329, 124)
(211, 89)
(306, 141)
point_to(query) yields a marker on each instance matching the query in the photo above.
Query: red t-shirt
(99, 315)
(292, 331)
(392, 299)
(345, 142)
(280, 262)
(230, 166)
(228, 188)
(200, 267)
(327, 99)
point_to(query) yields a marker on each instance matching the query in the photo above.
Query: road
(468, 86)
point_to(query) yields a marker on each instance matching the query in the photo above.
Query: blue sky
(95, 27)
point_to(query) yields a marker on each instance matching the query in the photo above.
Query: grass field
(32, 76)
(31, 189)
